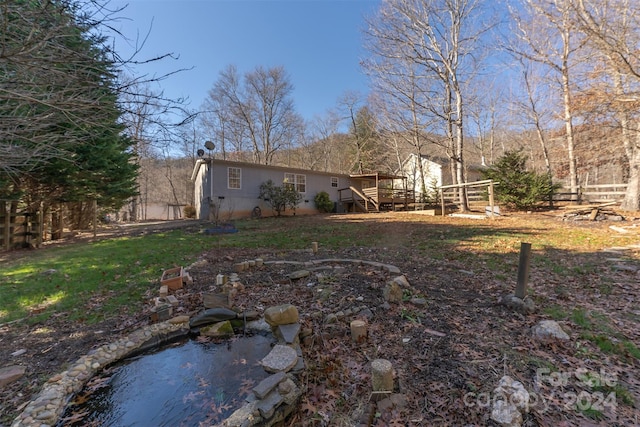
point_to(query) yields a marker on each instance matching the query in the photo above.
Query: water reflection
(189, 384)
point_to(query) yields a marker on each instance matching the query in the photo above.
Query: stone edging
(392, 269)
(46, 409)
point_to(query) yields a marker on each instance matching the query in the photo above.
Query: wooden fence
(478, 194)
(603, 193)
(19, 228)
(600, 193)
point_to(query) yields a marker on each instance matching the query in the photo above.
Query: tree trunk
(568, 123)
(631, 200)
(460, 175)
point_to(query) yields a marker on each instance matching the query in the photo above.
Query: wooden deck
(375, 199)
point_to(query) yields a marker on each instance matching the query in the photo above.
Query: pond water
(186, 384)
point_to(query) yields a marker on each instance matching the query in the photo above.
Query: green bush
(323, 202)
(280, 197)
(519, 188)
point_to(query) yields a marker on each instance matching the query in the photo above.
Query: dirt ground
(448, 356)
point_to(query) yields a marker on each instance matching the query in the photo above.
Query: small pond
(185, 384)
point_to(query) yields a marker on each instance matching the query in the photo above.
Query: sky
(318, 42)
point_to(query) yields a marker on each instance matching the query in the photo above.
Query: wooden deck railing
(372, 198)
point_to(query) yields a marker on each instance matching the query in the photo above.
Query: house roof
(201, 162)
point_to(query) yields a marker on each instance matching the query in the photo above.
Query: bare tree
(438, 37)
(547, 35)
(363, 132)
(400, 104)
(256, 113)
(613, 28)
(316, 150)
(487, 115)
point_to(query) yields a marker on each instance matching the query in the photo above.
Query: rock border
(46, 409)
(49, 405)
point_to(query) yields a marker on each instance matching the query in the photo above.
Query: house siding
(433, 176)
(436, 173)
(216, 201)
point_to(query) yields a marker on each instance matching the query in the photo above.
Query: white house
(436, 173)
(425, 182)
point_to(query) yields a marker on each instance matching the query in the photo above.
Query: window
(299, 182)
(334, 181)
(234, 178)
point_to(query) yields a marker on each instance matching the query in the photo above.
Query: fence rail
(476, 193)
(604, 192)
(19, 228)
(600, 193)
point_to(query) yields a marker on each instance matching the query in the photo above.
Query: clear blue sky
(318, 42)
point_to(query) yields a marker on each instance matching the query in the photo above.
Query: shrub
(323, 202)
(280, 197)
(519, 188)
(189, 211)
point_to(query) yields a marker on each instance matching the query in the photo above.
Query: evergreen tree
(518, 187)
(60, 136)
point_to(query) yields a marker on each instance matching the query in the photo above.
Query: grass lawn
(92, 281)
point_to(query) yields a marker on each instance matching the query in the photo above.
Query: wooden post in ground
(523, 270)
(57, 222)
(491, 201)
(381, 375)
(95, 218)
(7, 225)
(40, 229)
(442, 200)
(358, 331)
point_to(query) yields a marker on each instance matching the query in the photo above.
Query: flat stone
(268, 405)
(10, 374)
(331, 318)
(249, 315)
(392, 269)
(549, 329)
(212, 315)
(365, 313)
(282, 358)
(281, 315)
(299, 274)
(419, 302)
(524, 306)
(299, 366)
(218, 330)
(402, 281)
(268, 384)
(393, 293)
(178, 320)
(244, 416)
(290, 391)
(45, 415)
(514, 392)
(506, 414)
(288, 333)
(258, 325)
(375, 264)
